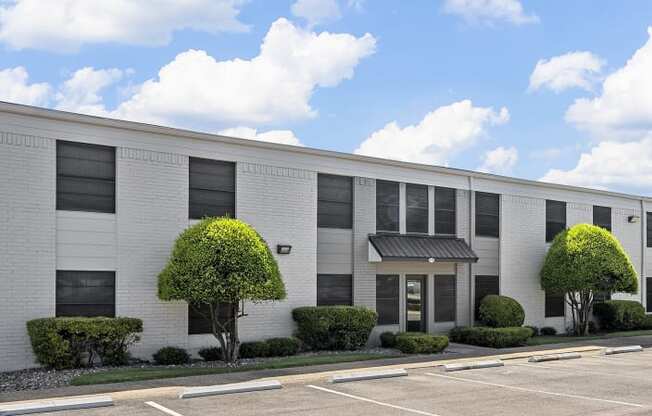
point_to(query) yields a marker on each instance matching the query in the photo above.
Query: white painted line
(364, 399)
(370, 375)
(473, 365)
(622, 350)
(554, 357)
(53, 405)
(551, 393)
(574, 370)
(220, 389)
(163, 409)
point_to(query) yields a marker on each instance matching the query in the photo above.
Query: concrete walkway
(455, 353)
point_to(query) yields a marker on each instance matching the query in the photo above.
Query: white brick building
(87, 228)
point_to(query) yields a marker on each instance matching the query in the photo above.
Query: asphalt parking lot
(595, 385)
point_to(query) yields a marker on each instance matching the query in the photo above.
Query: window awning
(410, 247)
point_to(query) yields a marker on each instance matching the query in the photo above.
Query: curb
(554, 357)
(40, 406)
(473, 365)
(622, 350)
(246, 387)
(371, 375)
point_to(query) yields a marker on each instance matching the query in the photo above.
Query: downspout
(471, 227)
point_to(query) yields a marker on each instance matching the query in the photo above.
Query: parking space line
(551, 393)
(364, 399)
(163, 409)
(559, 367)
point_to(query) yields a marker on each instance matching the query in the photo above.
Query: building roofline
(59, 115)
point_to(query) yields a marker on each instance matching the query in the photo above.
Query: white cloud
(440, 134)
(624, 107)
(358, 5)
(15, 88)
(316, 12)
(274, 86)
(490, 11)
(571, 70)
(272, 136)
(500, 160)
(66, 25)
(610, 164)
(81, 93)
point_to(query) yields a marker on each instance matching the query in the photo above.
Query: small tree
(583, 261)
(221, 262)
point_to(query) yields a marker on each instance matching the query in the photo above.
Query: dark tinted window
(199, 318)
(212, 188)
(85, 293)
(387, 202)
(648, 293)
(444, 211)
(445, 298)
(555, 218)
(334, 201)
(602, 217)
(416, 197)
(387, 288)
(487, 214)
(85, 177)
(554, 305)
(334, 289)
(485, 285)
(648, 218)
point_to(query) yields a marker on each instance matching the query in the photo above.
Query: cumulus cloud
(440, 134)
(500, 160)
(276, 85)
(571, 70)
(490, 11)
(316, 12)
(15, 88)
(66, 25)
(271, 136)
(81, 93)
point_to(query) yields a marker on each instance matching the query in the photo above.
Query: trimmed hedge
(619, 315)
(253, 349)
(647, 322)
(535, 330)
(548, 331)
(171, 356)
(419, 343)
(334, 327)
(491, 337)
(273, 347)
(388, 340)
(501, 312)
(74, 342)
(211, 353)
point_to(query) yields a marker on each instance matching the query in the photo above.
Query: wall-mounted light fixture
(633, 219)
(431, 260)
(283, 248)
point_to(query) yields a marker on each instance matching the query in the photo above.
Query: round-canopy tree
(219, 263)
(582, 261)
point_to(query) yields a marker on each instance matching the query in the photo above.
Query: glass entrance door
(415, 302)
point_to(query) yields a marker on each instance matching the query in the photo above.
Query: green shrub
(67, 342)
(647, 322)
(254, 349)
(535, 330)
(211, 353)
(419, 343)
(548, 331)
(501, 312)
(620, 315)
(283, 347)
(334, 327)
(388, 340)
(171, 356)
(491, 337)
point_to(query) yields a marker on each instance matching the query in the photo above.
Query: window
(445, 298)
(602, 217)
(199, 318)
(648, 218)
(387, 289)
(444, 210)
(555, 305)
(487, 214)
(334, 289)
(485, 285)
(555, 218)
(212, 188)
(416, 197)
(85, 293)
(648, 294)
(334, 201)
(387, 202)
(85, 177)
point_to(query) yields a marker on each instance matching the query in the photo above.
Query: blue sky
(560, 91)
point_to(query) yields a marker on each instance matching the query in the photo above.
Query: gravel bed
(40, 378)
